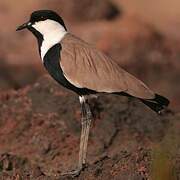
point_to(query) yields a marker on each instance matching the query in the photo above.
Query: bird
(85, 70)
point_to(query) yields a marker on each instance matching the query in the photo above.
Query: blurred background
(39, 121)
(142, 36)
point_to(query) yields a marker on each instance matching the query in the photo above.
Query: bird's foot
(74, 173)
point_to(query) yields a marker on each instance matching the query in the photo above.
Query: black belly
(52, 65)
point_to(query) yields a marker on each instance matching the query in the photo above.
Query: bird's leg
(86, 123)
(87, 129)
(83, 132)
(86, 118)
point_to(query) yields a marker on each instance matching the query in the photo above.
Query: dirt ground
(40, 120)
(40, 130)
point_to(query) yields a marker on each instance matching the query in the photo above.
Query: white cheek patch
(52, 32)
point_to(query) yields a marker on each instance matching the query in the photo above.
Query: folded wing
(86, 67)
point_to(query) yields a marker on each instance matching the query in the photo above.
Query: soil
(40, 130)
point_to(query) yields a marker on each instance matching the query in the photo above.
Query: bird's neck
(50, 39)
(48, 33)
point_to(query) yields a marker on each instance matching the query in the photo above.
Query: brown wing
(86, 67)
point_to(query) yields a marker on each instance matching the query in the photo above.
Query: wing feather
(86, 67)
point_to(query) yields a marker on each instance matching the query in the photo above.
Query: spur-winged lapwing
(85, 70)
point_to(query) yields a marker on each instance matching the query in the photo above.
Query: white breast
(52, 32)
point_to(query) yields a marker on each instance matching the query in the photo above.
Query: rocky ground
(40, 130)
(40, 121)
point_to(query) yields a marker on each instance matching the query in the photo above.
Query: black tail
(157, 104)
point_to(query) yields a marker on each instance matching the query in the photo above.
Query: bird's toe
(73, 173)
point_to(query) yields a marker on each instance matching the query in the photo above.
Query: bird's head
(43, 22)
(47, 26)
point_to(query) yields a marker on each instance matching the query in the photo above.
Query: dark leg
(86, 123)
(83, 133)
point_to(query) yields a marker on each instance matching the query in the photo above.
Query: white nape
(52, 31)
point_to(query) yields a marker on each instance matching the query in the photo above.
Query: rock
(42, 123)
(14, 167)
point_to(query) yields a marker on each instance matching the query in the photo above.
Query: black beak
(24, 26)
